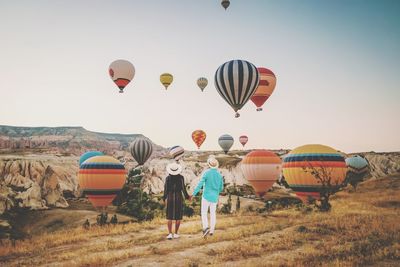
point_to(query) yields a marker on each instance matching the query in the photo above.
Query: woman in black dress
(174, 187)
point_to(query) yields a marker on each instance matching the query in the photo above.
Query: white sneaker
(206, 232)
(176, 236)
(170, 236)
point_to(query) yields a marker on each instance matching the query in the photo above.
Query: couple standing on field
(174, 189)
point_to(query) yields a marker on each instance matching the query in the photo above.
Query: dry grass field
(362, 229)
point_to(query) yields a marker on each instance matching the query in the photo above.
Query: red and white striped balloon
(243, 140)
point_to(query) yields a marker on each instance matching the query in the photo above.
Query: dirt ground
(361, 230)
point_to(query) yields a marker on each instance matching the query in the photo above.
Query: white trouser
(204, 212)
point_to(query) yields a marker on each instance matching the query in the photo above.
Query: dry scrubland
(362, 229)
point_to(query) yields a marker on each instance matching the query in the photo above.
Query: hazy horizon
(337, 65)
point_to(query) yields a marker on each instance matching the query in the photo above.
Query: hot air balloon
(265, 87)
(101, 178)
(236, 81)
(225, 142)
(202, 83)
(225, 3)
(261, 168)
(88, 155)
(243, 140)
(121, 72)
(176, 152)
(357, 169)
(198, 137)
(300, 163)
(166, 79)
(141, 149)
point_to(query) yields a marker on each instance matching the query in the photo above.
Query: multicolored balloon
(300, 163)
(265, 88)
(236, 81)
(202, 83)
(176, 152)
(101, 178)
(243, 140)
(357, 168)
(141, 149)
(261, 168)
(225, 3)
(88, 155)
(122, 73)
(199, 136)
(166, 79)
(225, 142)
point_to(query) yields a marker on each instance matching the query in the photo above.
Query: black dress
(174, 187)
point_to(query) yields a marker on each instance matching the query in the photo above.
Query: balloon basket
(259, 109)
(237, 115)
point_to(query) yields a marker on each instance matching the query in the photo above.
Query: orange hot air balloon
(243, 140)
(265, 87)
(101, 178)
(261, 168)
(198, 137)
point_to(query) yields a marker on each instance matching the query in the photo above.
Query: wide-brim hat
(212, 162)
(174, 168)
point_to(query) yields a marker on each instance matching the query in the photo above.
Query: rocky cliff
(39, 165)
(67, 140)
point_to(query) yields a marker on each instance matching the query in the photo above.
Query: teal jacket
(212, 183)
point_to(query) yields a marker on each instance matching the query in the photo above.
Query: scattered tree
(329, 186)
(133, 201)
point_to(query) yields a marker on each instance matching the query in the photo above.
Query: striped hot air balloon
(243, 140)
(121, 72)
(176, 152)
(198, 137)
(166, 79)
(265, 88)
(225, 142)
(101, 178)
(236, 81)
(357, 169)
(261, 168)
(141, 149)
(299, 164)
(202, 83)
(88, 155)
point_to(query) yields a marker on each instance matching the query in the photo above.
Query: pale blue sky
(337, 65)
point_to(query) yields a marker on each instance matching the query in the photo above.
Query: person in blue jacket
(212, 184)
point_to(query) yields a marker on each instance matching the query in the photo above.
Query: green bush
(134, 202)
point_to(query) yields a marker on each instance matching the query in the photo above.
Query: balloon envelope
(236, 81)
(166, 79)
(225, 3)
(121, 72)
(261, 168)
(243, 140)
(225, 142)
(141, 149)
(265, 87)
(202, 83)
(176, 152)
(88, 155)
(300, 162)
(101, 178)
(357, 165)
(198, 137)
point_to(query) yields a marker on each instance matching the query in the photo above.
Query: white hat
(212, 162)
(174, 168)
